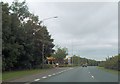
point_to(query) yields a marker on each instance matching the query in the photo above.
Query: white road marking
(53, 73)
(49, 75)
(26, 83)
(93, 77)
(36, 79)
(64, 70)
(59, 72)
(71, 68)
(44, 77)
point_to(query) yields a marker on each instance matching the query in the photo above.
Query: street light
(42, 21)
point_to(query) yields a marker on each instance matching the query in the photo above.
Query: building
(51, 60)
(68, 59)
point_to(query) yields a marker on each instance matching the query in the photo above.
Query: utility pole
(43, 56)
(43, 45)
(78, 60)
(72, 53)
(43, 59)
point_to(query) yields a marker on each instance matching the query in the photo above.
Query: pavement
(71, 74)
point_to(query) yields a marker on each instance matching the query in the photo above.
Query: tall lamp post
(42, 21)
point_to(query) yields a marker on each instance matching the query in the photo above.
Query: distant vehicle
(84, 65)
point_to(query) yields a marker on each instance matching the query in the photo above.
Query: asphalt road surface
(80, 74)
(71, 74)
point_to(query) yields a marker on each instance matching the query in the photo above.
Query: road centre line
(59, 72)
(27, 83)
(36, 79)
(53, 74)
(44, 77)
(49, 75)
(93, 77)
(64, 70)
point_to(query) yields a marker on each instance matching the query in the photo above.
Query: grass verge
(66, 65)
(17, 74)
(109, 70)
(0, 76)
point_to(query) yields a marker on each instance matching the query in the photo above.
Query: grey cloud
(90, 28)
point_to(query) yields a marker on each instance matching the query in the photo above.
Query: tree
(76, 60)
(111, 63)
(22, 42)
(60, 54)
(10, 48)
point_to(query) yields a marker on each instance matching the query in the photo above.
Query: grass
(0, 76)
(17, 74)
(109, 70)
(67, 65)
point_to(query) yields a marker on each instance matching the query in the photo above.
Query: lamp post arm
(48, 18)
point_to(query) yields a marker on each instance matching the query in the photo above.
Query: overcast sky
(88, 29)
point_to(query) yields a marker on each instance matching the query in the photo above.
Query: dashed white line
(53, 74)
(49, 75)
(62, 71)
(93, 77)
(36, 79)
(26, 83)
(71, 68)
(59, 72)
(44, 77)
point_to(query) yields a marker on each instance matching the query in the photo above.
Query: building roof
(50, 58)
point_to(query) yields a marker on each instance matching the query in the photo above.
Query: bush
(47, 66)
(111, 63)
(66, 65)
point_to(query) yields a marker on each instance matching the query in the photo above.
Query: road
(82, 74)
(73, 74)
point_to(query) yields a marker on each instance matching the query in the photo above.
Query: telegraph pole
(43, 55)
(72, 53)
(43, 59)
(43, 45)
